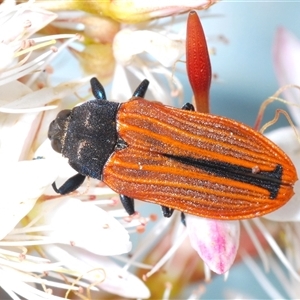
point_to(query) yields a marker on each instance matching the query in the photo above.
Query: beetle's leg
(183, 221)
(141, 89)
(70, 185)
(97, 89)
(128, 204)
(167, 211)
(188, 106)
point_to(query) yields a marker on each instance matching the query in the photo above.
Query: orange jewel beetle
(194, 162)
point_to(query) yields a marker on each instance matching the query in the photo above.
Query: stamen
(167, 291)
(261, 278)
(8, 253)
(71, 39)
(259, 248)
(91, 286)
(226, 275)
(34, 47)
(140, 228)
(283, 279)
(207, 273)
(136, 264)
(273, 244)
(144, 244)
(27, 24)
(27, 43)
(168, 255)
(128, 219)
(197, 293)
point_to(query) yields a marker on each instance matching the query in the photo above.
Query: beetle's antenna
(97, 89)
(141, 89)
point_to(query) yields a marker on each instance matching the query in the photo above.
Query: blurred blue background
(245, 65)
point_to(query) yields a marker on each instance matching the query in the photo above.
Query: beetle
(201, 164)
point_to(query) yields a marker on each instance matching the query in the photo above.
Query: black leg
(128, 204)
(70, 185)
(167, 211)
(141, 89)
(183, 221)
(188, 106)
(97, 89)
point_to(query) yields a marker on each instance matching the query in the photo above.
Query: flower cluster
(55, 247)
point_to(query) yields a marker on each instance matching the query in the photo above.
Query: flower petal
(16, 134)
(83, 225)
(165, 50)
(286, 139)
(143, 10)
(116, 280)
(12, 91)
(43, 96)
(23, 21)
(215, 241)
(32, 178)
(130, 11)
(97, 59)
(286, 62)
(7, 58)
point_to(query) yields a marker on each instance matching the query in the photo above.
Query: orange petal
(198, 62)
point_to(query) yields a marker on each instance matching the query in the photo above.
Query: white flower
(130, 11)
(16, 203)
(164, 50)
(25, 180)
(101, 271)
(72, 222)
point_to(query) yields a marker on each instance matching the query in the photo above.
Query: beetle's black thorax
(91, 136)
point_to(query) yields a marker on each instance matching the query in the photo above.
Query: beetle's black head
(86, 135)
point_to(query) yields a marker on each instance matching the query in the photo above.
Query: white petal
(286, 139)
(46, 151)
(125, 46)
(115, 281)
(286, 62)
(121, 89)
(165, 50)
(13, 28)
(21, 185)
(290, 212)
(11, 283)
(16, 135)
(7, 58)
(84, 225)
(13, 90)
(43, 96)
(215, 241)
(128, 43)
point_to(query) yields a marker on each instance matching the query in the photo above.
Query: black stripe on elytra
(270, 180)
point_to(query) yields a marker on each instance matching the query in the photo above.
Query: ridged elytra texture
(198, 163)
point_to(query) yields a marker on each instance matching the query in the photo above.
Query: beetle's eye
(54, 130)
(63, 114)
(56, 145)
